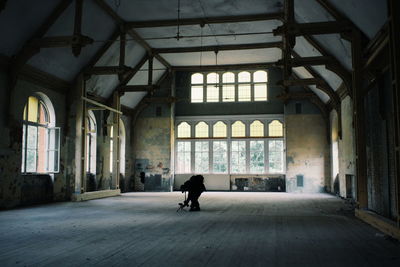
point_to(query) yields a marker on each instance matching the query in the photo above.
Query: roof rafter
(217, 48)
(130, 31)
(225, 67)
(202, 21)
(27, 51)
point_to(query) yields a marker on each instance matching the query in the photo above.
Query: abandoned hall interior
(289, 109)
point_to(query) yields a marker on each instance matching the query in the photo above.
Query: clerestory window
(231, 86)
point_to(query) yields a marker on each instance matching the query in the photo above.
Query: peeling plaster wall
(152, 149)
(347, 148)
(307, 152)
(17, 189)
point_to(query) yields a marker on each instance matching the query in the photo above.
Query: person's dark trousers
(194, 200)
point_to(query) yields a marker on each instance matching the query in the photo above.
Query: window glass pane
(219, 129)
(260, 76)
(257, 129)
(183, 157)
(244, 92)
(275, 128)
(212, 93)
(111, 155)
(183, 130)
(275, 155)
(238, 129)
(31, 149)
(201, 157)
(228, 77)
(260, 92)
(228, 93)
(197, 94)
(213, 78)
(23, 147)
(43, 114)
(201, 130)
(53, 148)
(220, 158)
(244, 76)
(33, 105)
(238, 156)
(257, 156)
(197, 78)
(41, 149)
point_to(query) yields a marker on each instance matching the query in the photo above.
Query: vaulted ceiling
(241, 31)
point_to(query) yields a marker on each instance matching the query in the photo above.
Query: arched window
(197, 80)
(238, 129)
(40, 139)
(260, 80)
(91, 143)
(257, 129)
(275, 128)
(244, 87)
(212, 87)
(184, 130)
(219, 129)
(201, 130)
(228, 87)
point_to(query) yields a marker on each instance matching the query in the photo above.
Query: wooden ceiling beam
(60, 41)
(337, 15)
(27, 51)
(108, 70)
(250, 66)
(313, 28)
(203, 21)
(217, 48)
(137, 88)
(130, 31)
(301, 82)
(306, 61)
(325, 87)
(334, 66)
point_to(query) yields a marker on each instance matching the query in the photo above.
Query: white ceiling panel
(322, 95)
(131, 99)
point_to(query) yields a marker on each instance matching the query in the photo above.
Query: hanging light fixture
(216, 64)
(178, 21)
(201, 43)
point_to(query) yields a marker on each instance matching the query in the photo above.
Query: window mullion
(210, 156)
(248, 156)
(266, 155)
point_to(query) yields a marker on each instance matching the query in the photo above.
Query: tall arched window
(40, 139)
(91, 137)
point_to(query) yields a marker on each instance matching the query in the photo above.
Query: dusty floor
(233, 229)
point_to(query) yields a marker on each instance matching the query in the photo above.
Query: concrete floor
(233, 229)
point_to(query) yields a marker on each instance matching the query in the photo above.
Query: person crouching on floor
(195, 186)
